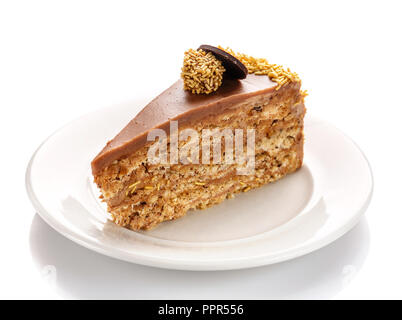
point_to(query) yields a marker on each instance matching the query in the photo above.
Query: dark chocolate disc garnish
(234, 67)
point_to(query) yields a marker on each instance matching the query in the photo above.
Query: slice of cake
(190, 149)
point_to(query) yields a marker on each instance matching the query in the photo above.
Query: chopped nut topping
(201, 72)
(133, 185)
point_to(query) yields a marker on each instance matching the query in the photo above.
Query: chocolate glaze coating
(177, 104)
(233, 66)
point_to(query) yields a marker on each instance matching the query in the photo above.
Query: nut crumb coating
(202, 73)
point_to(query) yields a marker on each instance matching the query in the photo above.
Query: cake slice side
(140, 194)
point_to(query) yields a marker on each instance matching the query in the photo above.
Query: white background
(62, 59)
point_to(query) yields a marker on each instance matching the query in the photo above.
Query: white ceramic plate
(294, 216)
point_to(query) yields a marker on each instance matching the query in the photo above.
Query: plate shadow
(78, 273)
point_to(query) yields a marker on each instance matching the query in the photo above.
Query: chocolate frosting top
(177, 104)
